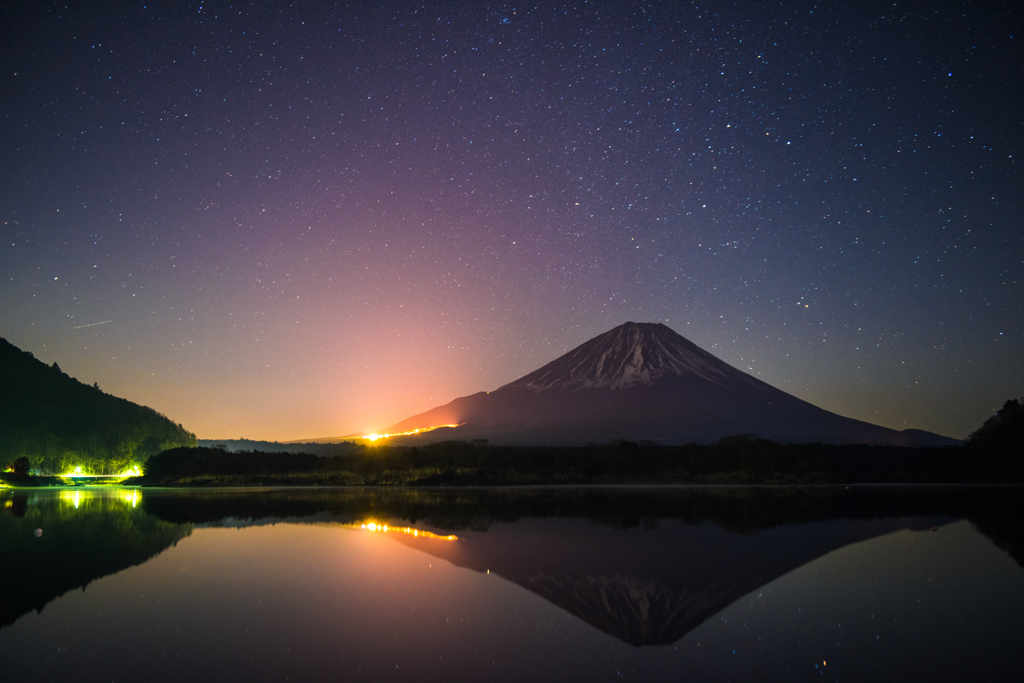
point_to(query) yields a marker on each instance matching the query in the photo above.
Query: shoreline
(527, 487)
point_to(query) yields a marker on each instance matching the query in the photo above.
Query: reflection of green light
(77, 473)
(79, 496)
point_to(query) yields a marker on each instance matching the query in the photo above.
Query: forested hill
(59, 424)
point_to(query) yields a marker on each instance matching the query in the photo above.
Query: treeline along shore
(734, 460)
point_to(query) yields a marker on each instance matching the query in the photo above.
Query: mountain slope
(643, 381)
(629, 355)
(60, 423)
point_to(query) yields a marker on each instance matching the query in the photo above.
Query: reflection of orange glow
(375, 437)
(419, 533)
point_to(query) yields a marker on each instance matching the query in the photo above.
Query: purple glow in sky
(301, 220)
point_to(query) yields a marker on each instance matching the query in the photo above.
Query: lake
(675, 583)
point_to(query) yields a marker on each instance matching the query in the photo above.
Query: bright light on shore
(78, 474)
(376, 437)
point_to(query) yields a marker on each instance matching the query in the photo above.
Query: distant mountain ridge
(643, 381)
(326, 449)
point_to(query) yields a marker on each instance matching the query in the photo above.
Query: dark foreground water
(580, 584)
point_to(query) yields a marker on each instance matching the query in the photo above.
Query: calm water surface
(578, 584)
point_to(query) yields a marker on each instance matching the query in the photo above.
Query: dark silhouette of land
(739, 459)
(59, 423)
(1003, 433)
(321, 449)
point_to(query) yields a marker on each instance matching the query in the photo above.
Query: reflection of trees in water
(86, 535)
(997, 512)
(1004, 526)
(640, 591)
(637, 588)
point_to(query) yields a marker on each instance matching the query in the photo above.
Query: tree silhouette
(20, 466)
(1003, 430)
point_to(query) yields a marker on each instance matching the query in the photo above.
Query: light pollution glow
(78, 474)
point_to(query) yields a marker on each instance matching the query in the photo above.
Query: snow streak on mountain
(629, 355)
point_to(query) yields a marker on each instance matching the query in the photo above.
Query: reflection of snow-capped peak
(631, 354)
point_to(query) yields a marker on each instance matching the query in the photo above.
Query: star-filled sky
(287, 220)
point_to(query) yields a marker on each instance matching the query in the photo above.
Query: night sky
(274, 220)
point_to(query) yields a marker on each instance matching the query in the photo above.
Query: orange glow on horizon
(377, 437)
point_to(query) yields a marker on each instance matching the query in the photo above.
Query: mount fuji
(642, 381)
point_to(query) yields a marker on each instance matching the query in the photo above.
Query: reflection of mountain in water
(644, 565)
(633, 609)
(648, 587)
(636, 610)
(86, 535)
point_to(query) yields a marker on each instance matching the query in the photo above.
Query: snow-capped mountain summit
(629, 355)
(642, 381)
